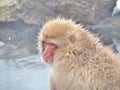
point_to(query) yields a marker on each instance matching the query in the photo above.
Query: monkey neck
(76, 53)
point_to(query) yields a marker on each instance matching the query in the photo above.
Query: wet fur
(81, 62)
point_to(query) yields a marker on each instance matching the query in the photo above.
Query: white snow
(116, 9)
(1, 43)
(118, 4)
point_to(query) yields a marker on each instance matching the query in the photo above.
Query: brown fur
(81, 62)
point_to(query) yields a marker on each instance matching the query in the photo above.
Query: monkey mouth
(47, 56)
(48, 61)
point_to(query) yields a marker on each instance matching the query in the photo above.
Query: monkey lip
(47, 58)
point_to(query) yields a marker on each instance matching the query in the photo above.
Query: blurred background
(21, 67)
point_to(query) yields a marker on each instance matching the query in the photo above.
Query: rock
(108, 28)
(7, 7)
(107, 34)
(109, 31)
(35, 11)
(110, 21)
(85, 11)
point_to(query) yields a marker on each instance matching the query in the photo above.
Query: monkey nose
(47, 54)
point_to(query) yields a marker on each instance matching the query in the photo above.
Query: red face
(48, 49)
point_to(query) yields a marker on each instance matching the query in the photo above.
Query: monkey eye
(50, 44)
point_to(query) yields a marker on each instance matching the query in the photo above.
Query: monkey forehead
(58, 27)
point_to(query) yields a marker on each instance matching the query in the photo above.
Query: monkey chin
(48, 61)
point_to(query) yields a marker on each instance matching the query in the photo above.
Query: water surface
(21, 75)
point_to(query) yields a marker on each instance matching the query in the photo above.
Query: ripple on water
(24, 76)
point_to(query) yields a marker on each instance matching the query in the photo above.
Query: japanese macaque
(77, 58)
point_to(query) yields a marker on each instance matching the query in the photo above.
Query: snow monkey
(79, 61)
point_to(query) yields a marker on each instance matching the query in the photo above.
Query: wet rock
(85, 11)
(110, 21)
(35, 11)
(109, 29)
(82, 10)
(107, 34)
(7, 7)
(91, 11)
